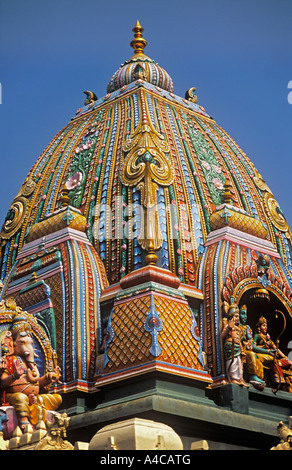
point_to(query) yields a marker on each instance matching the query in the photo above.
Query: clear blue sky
(236, 52)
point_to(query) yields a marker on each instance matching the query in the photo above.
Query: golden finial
(138, 43)
(151, 257)
(227, 196)
(65, 198)
(33, 278)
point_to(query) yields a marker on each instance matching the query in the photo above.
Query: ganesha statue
(22, 384)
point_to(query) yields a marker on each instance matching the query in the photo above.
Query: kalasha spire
(140, 66)
(138, 43)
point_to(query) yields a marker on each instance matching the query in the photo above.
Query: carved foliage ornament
(18, 208)
(14, 218)
(260, 183)
(271, 206)
(275, 213)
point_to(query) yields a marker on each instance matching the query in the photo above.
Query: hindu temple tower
(135, 229)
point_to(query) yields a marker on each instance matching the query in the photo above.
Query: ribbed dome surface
(102, 156)
(140, 67)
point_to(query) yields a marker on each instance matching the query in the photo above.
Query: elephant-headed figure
(22, 384)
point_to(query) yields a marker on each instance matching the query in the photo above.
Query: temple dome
(134, 234)
(140, 66)
(141, 146)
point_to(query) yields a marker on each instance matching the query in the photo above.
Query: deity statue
(252, 365)
(233, 350)
(20, 381)
(270, 356)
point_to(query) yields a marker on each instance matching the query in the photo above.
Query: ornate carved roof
(142, 149)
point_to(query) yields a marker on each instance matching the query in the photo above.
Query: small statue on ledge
(233, 350)
(251, 364)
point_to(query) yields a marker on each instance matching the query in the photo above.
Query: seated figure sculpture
(270, 356)
(20, 377)
(231, 336)
(251, 364)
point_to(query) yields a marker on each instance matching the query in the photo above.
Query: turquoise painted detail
(153, 325)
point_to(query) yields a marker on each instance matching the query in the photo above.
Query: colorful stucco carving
(134, 232)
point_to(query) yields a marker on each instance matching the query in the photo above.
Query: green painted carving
(211, 170)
